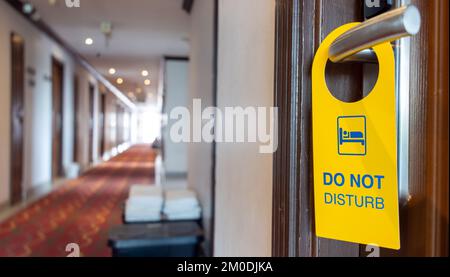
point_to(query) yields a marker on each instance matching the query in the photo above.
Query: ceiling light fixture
(112, 71)
(89, 41)
(144, 73)
(27, 8)
(147, 82)
(119, 81)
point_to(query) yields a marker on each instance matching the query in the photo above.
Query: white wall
(175, 90)
(201, 78)
(39, 49)
(38, 102)
(243, 218)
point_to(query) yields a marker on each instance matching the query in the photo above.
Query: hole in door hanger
(351, 81)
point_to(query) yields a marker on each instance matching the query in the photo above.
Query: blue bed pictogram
(352, 137)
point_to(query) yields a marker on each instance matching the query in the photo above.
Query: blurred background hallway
(80, 211)
(85, 90)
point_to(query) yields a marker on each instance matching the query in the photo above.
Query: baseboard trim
(38, 191)
(4, 206)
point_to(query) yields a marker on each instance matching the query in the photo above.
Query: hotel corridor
(80, 211)
(223, 128)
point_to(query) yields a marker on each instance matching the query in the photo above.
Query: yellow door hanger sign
(355, 156)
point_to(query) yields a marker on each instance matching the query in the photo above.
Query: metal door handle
(355, 44)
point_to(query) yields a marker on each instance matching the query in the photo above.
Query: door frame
(438, 131)
(210, 250)
(17, 94)
(293, 210)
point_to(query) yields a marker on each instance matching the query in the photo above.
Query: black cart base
(168, 239)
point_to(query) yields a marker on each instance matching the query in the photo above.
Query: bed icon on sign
(352, 136)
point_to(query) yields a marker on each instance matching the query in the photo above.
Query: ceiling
(143, 31)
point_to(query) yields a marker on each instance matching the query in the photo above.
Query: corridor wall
(39, 50)
(243, 212)
(201, 86)
(175, 95)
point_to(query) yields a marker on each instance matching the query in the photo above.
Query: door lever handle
(355, 44)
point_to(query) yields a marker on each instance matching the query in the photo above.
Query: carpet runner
(80, 211)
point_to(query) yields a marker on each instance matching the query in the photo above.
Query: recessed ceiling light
(147, 82)
(89, 41)
(144, 73)
(138, 90)
(112, 71)
(27, 8)
(119, 81)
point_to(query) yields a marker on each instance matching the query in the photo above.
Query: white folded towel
(146, 196)
(135, 213)
(181, 204)
(142, 205)
(187, 215)
(180, 199)
(145, 203)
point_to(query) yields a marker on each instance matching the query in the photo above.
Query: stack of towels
(144, 204)
(181, 204)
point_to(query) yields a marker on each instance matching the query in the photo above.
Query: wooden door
(301, 25)
(102, 123)
(17, 116)
(91, 122)
(424, 219)
(76, 114)
(57, 117)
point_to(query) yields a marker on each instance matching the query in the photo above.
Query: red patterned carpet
(81, 211)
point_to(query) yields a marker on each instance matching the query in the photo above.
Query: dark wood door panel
(102, 123)
(424, 219)
(57, 117)
(17, 116)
